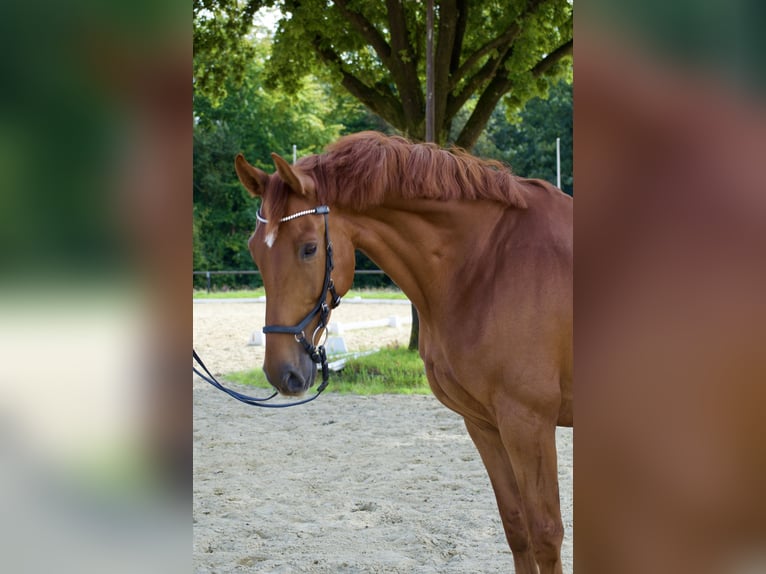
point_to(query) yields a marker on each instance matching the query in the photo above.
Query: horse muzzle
(293, 380)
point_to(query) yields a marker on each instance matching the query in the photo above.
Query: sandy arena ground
(385, 484)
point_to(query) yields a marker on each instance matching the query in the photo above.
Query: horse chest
(449, 373)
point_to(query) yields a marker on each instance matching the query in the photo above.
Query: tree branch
(367, 30)
(505, 39)
(499, 85)
(547, 63)
(442, 59)
(397, 24)
(397, 57)
(403, 63)
(379, 99)
(460, 26)
(488, 70)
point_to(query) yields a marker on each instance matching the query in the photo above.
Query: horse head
(303, 278)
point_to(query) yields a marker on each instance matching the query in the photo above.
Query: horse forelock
(273, 207)
(360, 170)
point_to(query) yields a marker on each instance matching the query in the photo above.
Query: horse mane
(360, 170)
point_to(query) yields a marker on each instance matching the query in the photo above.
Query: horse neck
(422, 244)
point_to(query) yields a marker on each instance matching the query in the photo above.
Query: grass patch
(394, 294)
(235, 294)
(260, 292)
(393, 370)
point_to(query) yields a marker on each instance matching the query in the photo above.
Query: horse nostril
(293, 383)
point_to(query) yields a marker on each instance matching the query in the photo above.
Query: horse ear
(289, 176)
(254, 180)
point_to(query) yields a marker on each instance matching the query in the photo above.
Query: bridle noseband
(315, 352)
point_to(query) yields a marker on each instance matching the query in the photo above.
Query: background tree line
(252, 96)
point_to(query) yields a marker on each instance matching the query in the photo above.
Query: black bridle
(316, 352)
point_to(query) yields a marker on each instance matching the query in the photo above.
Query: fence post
(207, 274)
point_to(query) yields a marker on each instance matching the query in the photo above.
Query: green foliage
(375, 50)
(221, 48)
(527, 141)
(260, 121)
(353, 115)
(394, 370)
(369, 281)
(199, 261)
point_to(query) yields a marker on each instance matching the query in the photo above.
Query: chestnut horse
(485, 257)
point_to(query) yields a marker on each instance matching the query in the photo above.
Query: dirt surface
(384, 484)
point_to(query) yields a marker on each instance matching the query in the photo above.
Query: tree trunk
(430, 135)
(415, 331)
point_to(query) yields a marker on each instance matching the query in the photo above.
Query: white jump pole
(295, 153)
(558, 163)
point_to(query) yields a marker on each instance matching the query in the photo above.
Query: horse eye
(308, 250)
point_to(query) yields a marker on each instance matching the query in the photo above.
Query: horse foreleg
(498, 465)
(531, 445)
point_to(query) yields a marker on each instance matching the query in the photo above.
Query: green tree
(222, 49)
(528, 142)
(485, 52)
